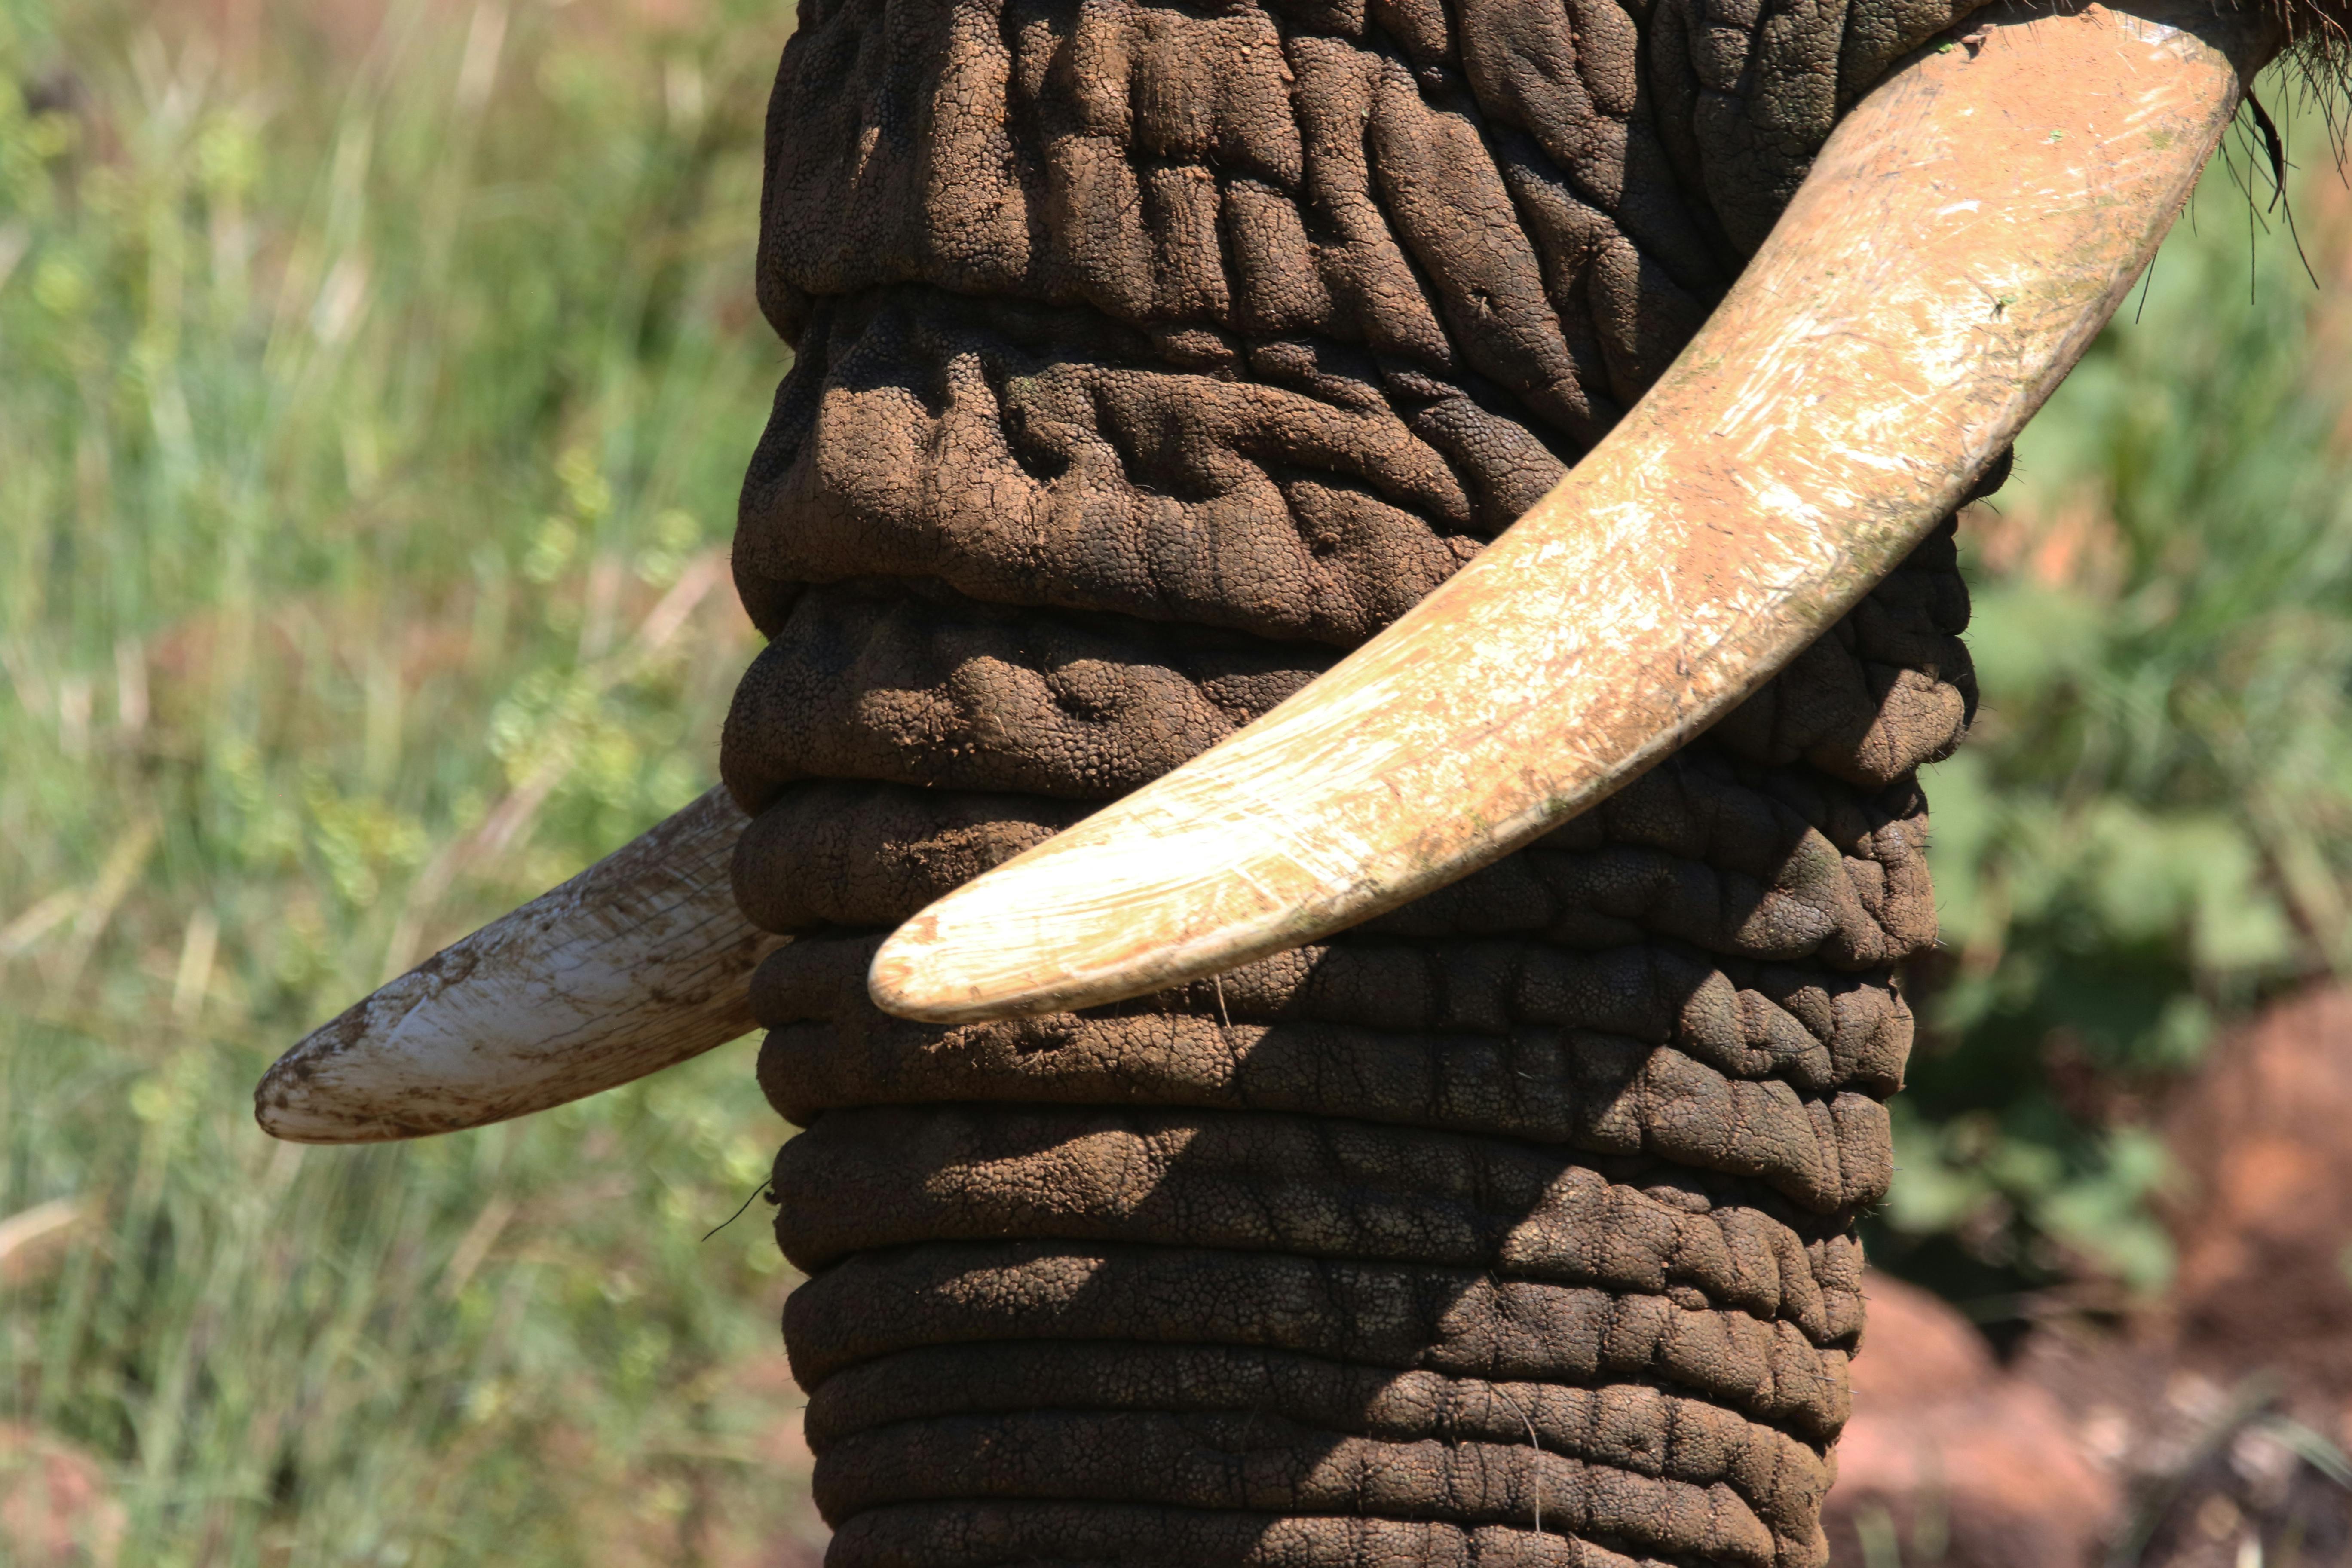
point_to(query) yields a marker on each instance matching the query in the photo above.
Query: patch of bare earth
(1951, 1459)
(2206, 1432)
(55, 1506)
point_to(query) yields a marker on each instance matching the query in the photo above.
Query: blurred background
(378, 378)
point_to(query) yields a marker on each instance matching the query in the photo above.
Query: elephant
(1356, 592)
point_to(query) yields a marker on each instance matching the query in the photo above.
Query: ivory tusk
(1964, 235)
(638, 962)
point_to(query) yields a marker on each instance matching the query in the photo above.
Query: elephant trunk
(1148, 361)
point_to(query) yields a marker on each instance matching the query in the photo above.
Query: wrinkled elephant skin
(1151, 358)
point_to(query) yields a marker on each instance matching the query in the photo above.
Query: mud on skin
(1150, 358)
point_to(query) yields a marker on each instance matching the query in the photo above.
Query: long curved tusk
(1967, 231)
(639, 962)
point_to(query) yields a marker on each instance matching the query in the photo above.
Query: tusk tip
(640, 962)
(302, 1098)
(937, 968)
(924, 972)
(285, 1116)
(913, 976)
(291, 1116)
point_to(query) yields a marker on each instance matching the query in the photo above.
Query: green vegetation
(377, 393)
(377, 390)
(2150, 827)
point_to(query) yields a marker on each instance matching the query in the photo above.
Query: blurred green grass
(378, 384)
(379, 377)
(2150, 828)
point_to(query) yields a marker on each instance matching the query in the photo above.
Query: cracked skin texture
(1148, 357)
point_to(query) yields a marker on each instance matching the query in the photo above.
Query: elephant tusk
(638, 962)
(1962, 238)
